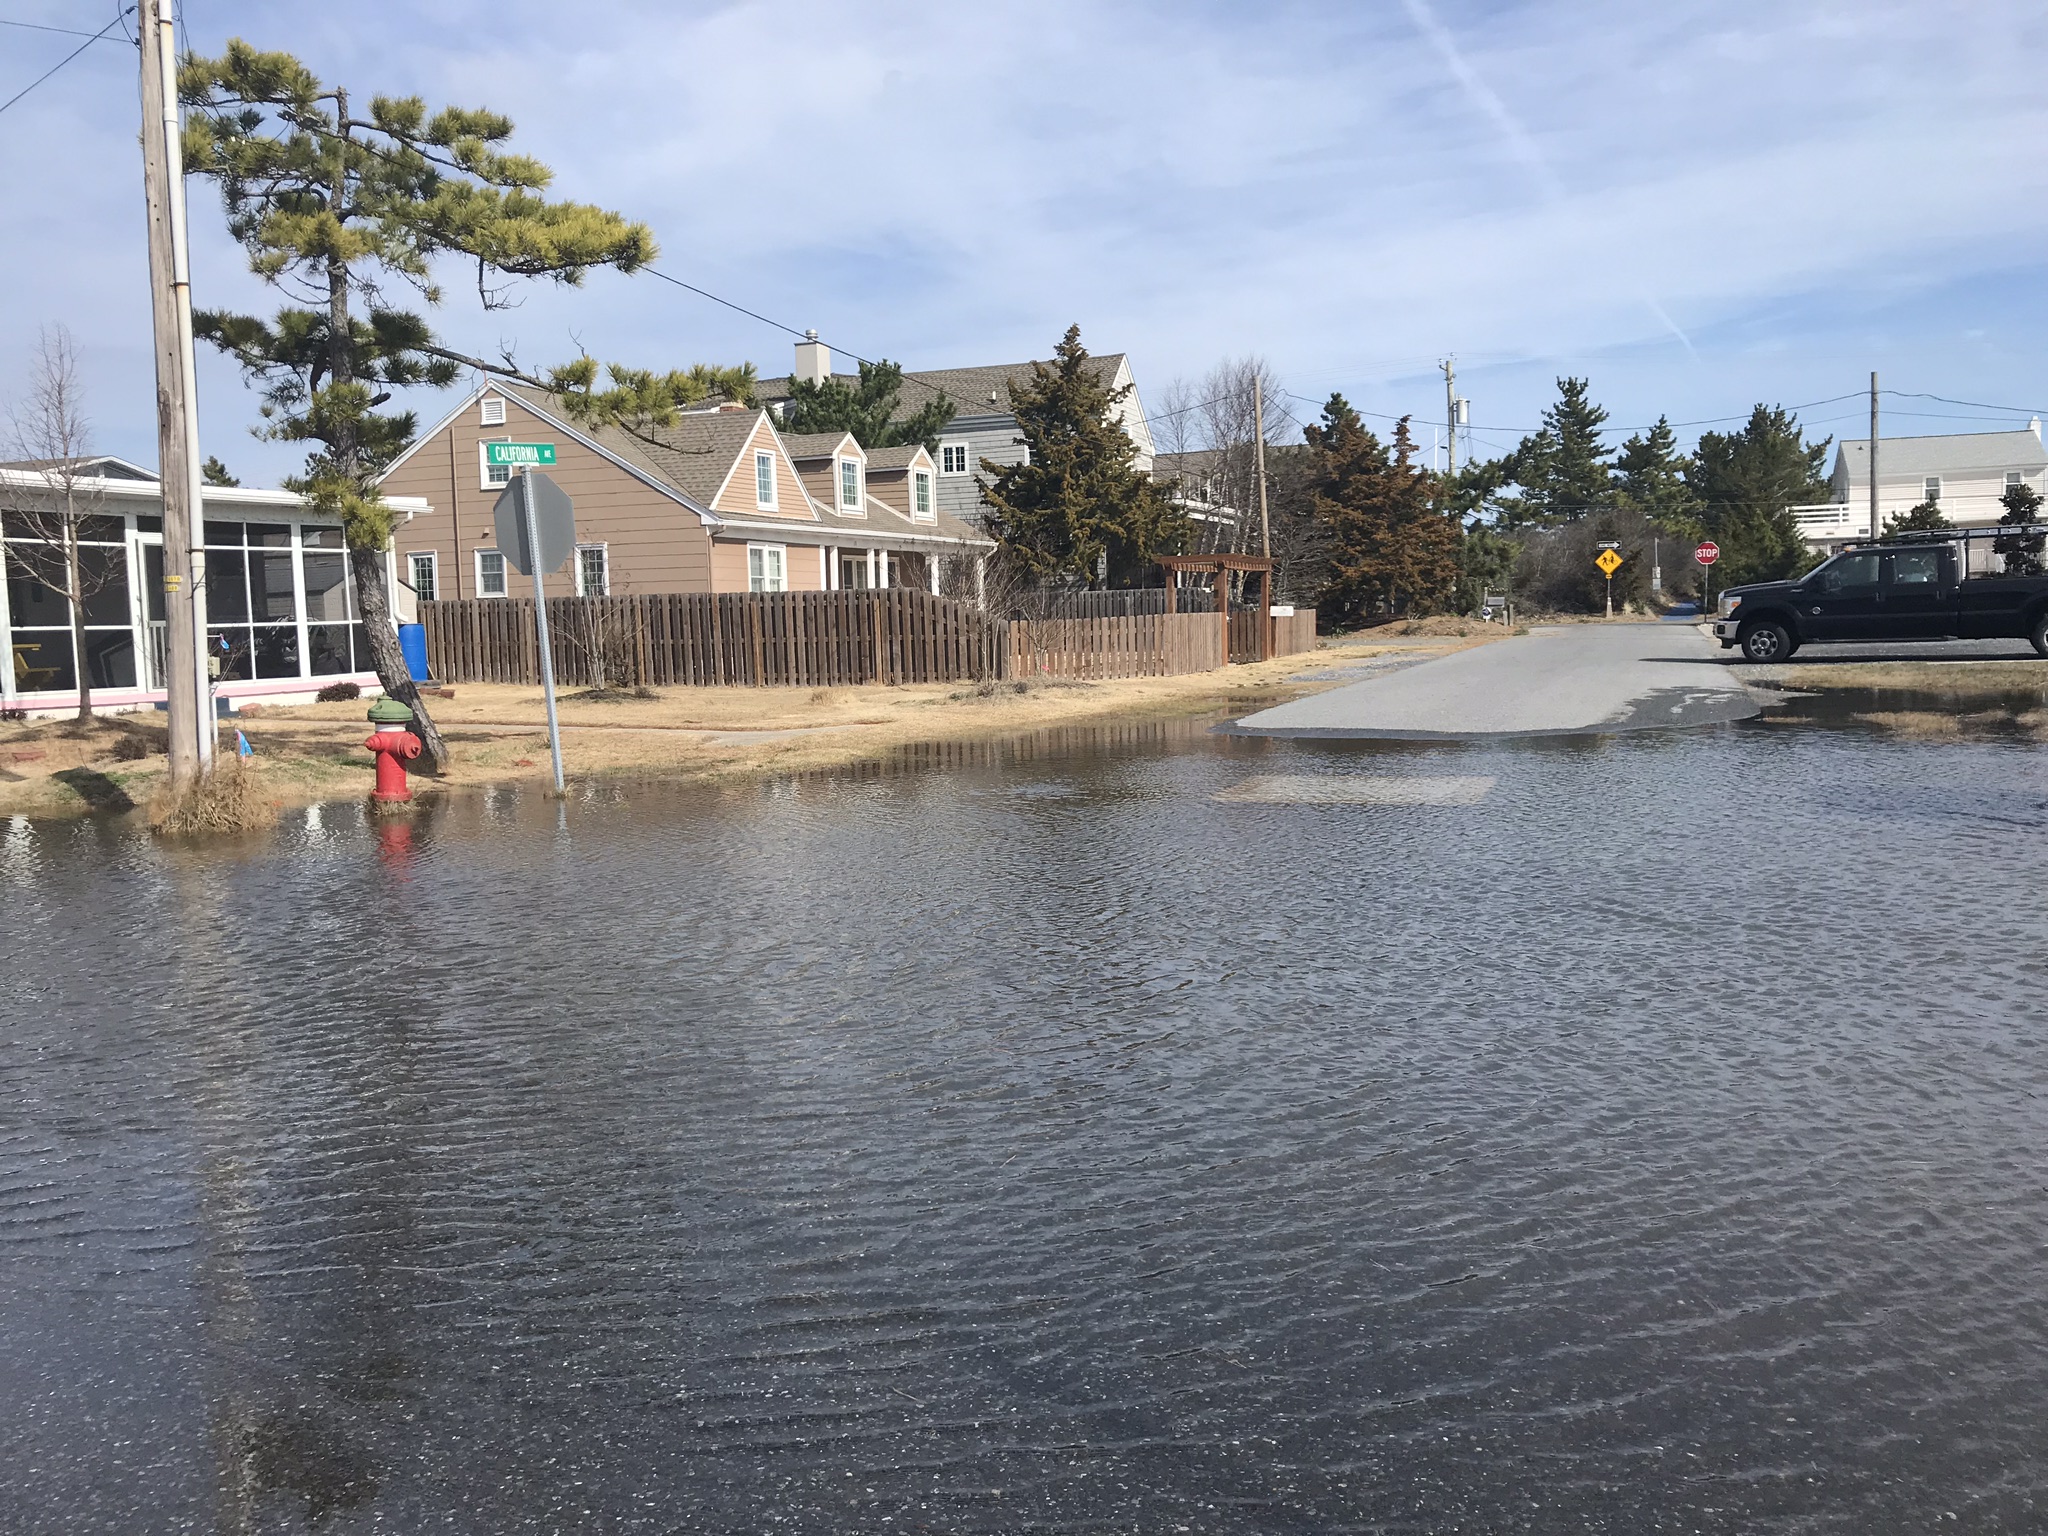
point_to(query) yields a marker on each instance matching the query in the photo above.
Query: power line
(74, 53)
(36, 26)
(2015, 410)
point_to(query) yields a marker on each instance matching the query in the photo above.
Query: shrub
(13, 716)
(225, 800)
(338, 693)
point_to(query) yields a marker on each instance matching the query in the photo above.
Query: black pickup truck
(1911, 587)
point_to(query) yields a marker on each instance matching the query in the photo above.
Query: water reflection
(1046, 1134)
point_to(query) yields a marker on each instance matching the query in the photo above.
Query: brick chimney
(813, 359)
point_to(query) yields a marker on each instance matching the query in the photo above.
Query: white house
(1965, 473)
(280, 602)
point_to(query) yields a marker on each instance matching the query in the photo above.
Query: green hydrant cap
(389, 711)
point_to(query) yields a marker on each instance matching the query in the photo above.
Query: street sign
(554, 518)
(519, 454)
(1608, 544)
(1609, 562)
(1707, 553)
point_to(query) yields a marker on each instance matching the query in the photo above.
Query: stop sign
(1707, 553)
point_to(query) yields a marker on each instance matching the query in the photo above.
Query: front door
(1843, 600)
(1919, 594)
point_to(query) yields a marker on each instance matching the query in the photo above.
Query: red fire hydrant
(395, 746)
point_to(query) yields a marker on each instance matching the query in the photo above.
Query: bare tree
(46, 523)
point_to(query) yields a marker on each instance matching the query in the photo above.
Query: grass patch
(224, 801)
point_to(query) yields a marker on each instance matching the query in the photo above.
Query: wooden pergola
(1220, 566)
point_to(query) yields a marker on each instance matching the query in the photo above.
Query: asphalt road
(1565, 679)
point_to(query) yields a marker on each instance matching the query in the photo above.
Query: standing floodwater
(1411, 1139)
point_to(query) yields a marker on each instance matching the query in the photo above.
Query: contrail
(1521, 144)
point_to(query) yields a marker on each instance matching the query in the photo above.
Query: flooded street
(1122, 1130)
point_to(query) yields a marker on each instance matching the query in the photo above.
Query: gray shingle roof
(1953, 453)
(893, 458)
(813, 445)
(968, 388)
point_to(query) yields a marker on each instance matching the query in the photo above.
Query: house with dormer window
(720, 501)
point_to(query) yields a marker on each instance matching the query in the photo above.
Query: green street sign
(520, 455)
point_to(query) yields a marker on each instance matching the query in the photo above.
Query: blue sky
(1698, 205)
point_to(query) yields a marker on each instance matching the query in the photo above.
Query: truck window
(1846, 571)
(1915, 567)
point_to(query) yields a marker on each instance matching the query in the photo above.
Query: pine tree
(213, 472)
(1925, 518)
(340, 207)
(2022, 551)
(866, 409)
(1562, 468)
(1650, 480)
(1744, 482)
(1078, 500)
(1391, 548)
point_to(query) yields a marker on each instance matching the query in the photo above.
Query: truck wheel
(1765, 642)
(2040, 635)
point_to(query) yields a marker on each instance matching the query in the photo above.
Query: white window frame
(922, 491)
(603, 551)
(412, 571)
(853, 507)
(946, 452)
(759, 558)
(485, 471)
(491, 411)
(504, 574)
(1932, 488)
(2014, 477)
(764, 480)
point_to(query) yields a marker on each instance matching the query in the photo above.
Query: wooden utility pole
(1259, 454)
(1876, 528)
(177, 422)
(1450, 368)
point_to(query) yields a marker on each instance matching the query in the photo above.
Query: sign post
(536, 532)
(1707, 553)
(1609, 560)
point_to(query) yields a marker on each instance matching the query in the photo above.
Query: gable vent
(493, 411)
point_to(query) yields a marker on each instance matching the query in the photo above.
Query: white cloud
(1332, 185)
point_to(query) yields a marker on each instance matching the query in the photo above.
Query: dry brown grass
(1946, 679)
(223, 801)
(1936, 725)
(497, 733)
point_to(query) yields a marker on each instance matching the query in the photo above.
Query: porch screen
(41, 652)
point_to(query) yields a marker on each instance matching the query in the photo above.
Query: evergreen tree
(1925, 518)
(338, 206)
(1391, 548)
(866, 409)
(213, 472)
(1561, 468)
(1650, 480)
(1744, 482)
(2022, 551)
(1078, 499)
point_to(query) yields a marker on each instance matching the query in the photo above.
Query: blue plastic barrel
(412, 642)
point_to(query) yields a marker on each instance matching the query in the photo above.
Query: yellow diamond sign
(1609, 562)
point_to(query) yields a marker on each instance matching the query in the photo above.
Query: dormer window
(493, 411)
(921, 496)
(849, 485)
(764, 481)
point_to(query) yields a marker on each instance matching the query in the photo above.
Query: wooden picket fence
(791, 639)
(821, 639)
(1144, 645)
(1294, 633)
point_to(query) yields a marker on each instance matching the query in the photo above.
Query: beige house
(1963, 473)
(719, 502)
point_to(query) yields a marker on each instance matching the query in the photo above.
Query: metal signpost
(536, 525)
(1707, 554)
(1609, 561)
